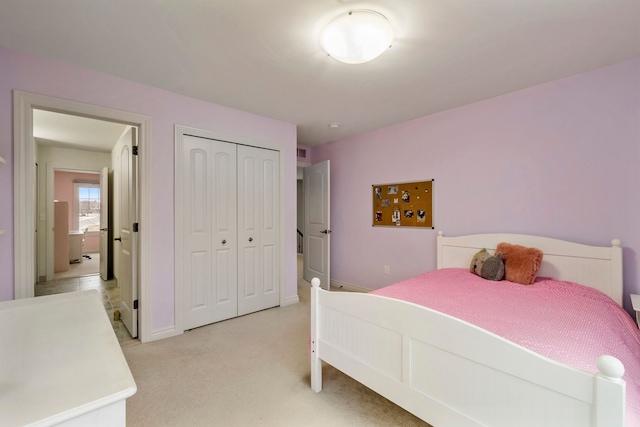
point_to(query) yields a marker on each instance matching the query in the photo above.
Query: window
(87, 207)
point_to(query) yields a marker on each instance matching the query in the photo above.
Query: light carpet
(249, 371)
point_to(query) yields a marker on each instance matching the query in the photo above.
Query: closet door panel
(247, 179)
(270, 230)
(210, 245)
(224, 238)
(197, 243)
(258, 229)
(268, 267)
(248, 273)
(248, 233)
(200, 275)
(224, 231)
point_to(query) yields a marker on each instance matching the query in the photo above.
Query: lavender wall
(46, 77)
(561, 159)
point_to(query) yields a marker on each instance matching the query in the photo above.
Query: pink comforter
(566, 322)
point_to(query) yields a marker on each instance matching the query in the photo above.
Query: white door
(104, 223)
(258, 229)
(126, 251)
(209, 234)
(317, 231)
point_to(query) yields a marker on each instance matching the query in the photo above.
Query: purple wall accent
(42, 76)
(560, 159)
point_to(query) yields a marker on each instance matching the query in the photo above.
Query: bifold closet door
(210, 231)
(258, 229)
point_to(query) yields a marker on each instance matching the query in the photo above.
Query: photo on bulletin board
(408, 204)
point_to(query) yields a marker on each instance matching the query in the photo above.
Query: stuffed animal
(478, 260)
(487, 266)
(493, 268)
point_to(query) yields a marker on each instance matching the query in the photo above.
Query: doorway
(25, 151)
(77, 154)
(76, 245)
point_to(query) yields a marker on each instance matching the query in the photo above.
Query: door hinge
(135, 304)
(136, 227)
(134, 150)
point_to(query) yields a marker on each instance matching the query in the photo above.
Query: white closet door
(210, 224)
(258, 229)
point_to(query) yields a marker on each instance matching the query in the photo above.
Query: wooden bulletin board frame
(406, 204)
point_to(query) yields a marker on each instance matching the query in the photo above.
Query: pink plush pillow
(521, 264)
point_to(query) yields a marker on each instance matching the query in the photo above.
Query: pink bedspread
(566, 322)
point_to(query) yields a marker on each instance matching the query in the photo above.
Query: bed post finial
(609, 393)
(610, 367)
(316, 363)
(440, 233)
(616, 242)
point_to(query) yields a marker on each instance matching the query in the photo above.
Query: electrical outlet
(386, 269)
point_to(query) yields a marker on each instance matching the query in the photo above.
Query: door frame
(105, 218)
(24, 190)
(180, 132)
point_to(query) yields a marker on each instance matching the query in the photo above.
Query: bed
(452, 373)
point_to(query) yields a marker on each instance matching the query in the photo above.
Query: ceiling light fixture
(357, 36)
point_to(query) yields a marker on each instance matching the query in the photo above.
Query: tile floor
(110, 297)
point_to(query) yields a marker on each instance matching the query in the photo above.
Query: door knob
(326, 231)
(104, 229)
(224, 242)
(119, 239)
(251, 239)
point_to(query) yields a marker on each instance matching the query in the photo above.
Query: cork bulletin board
(408, 204)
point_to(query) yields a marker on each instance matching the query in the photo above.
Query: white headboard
(598, 267)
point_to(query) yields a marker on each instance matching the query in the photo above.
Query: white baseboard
(348, 286)
(164, 333)
(290, 301)
(172, 332)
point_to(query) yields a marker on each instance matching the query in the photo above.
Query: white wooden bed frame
(453, 374)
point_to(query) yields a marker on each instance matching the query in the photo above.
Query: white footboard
(451, 373)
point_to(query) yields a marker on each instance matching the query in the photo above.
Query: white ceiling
(264, 57)
(62, 130)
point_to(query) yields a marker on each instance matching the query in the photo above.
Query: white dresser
(61, 363)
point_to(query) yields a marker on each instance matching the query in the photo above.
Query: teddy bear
(493, 268)
(487, 266)
(478, 260)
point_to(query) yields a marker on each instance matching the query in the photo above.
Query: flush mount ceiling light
(357, 36)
